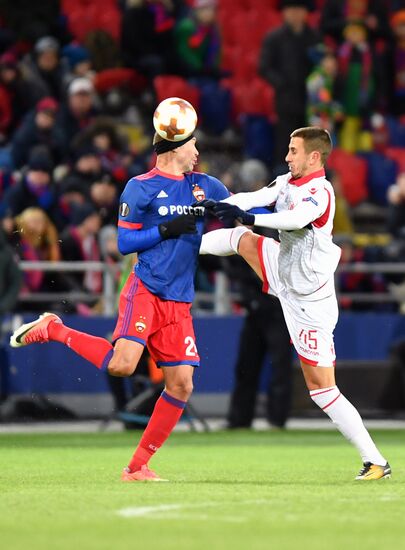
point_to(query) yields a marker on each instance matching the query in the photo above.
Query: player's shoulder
(202, 177)
(143, 181)
(318, 187)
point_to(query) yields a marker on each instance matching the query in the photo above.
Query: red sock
(93, 348)
(165, 416)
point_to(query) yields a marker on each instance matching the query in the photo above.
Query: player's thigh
(249, 250)
(179, 381)
(318, 377)
(126, 356)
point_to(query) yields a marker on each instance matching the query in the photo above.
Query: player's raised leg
(324, 392)
(120, 360)
(167, 412)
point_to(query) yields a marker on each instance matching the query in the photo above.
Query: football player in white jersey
(299, 270)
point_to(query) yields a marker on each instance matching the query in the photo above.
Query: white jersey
(304, 211)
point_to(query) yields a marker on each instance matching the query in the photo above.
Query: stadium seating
(398, 155)
(353, 175)
(382, 172)
(176, 86)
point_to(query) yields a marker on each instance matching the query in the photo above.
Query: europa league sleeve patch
(124, 209)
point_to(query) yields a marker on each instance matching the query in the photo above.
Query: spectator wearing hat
(198, 42)
(79, 243)
(285, 63)
(44, 70)
(78, 60)
(34, 189)
(79, 110)
(39, 128)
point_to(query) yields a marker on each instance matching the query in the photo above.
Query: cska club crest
(140, 325)
(198, 193)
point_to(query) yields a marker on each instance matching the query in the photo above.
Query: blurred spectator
(323, 108)
(79, 243)
(264, 332)
(103, 49)
(342, 222)
(147, 36)
(70, 194)
(34, 189)
(396, 207)
(105, 199)
(78, 61)
(358, 282)
(107, 241)
(357, 67)
(285, 63)
(10, 277)
(394, 65)
(86, 169)
(198, 41)
(10, 284)
(39, 128)
(35, 239)
(337, 14)
(31, 20)
(79, 111)
(14, 94)
(44, 70)
(103, 136)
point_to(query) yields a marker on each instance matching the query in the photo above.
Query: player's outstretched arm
(254, 199)
(300, 216)
(137, 240)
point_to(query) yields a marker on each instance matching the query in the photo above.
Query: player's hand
(182, 225)
(229, 212)
(202, 206)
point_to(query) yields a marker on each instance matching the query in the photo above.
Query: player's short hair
(315, 139)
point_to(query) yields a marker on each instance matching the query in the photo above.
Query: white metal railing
(219, 301)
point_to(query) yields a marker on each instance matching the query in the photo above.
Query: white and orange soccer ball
(174, 119)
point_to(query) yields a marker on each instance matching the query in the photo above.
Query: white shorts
(310, 323)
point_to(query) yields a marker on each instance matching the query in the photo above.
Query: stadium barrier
(218, 302)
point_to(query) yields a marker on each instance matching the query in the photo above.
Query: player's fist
(200, 207)
(229, 212)
(182, 225)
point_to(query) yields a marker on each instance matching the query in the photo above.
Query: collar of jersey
(165, 174)
(300, 181)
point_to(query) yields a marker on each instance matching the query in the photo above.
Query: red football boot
(35, 332)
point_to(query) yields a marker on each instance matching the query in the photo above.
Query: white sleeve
(263, 197)
(305, 212)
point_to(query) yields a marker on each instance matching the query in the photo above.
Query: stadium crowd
(79, 80)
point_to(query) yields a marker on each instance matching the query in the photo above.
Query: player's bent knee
(248, 244)
(181, 389)
(121, 367)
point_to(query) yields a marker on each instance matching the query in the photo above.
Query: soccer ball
(175, 119)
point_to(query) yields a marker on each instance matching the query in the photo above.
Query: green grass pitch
(228, 490)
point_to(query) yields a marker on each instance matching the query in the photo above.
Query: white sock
(222, 242)
(348, 421)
